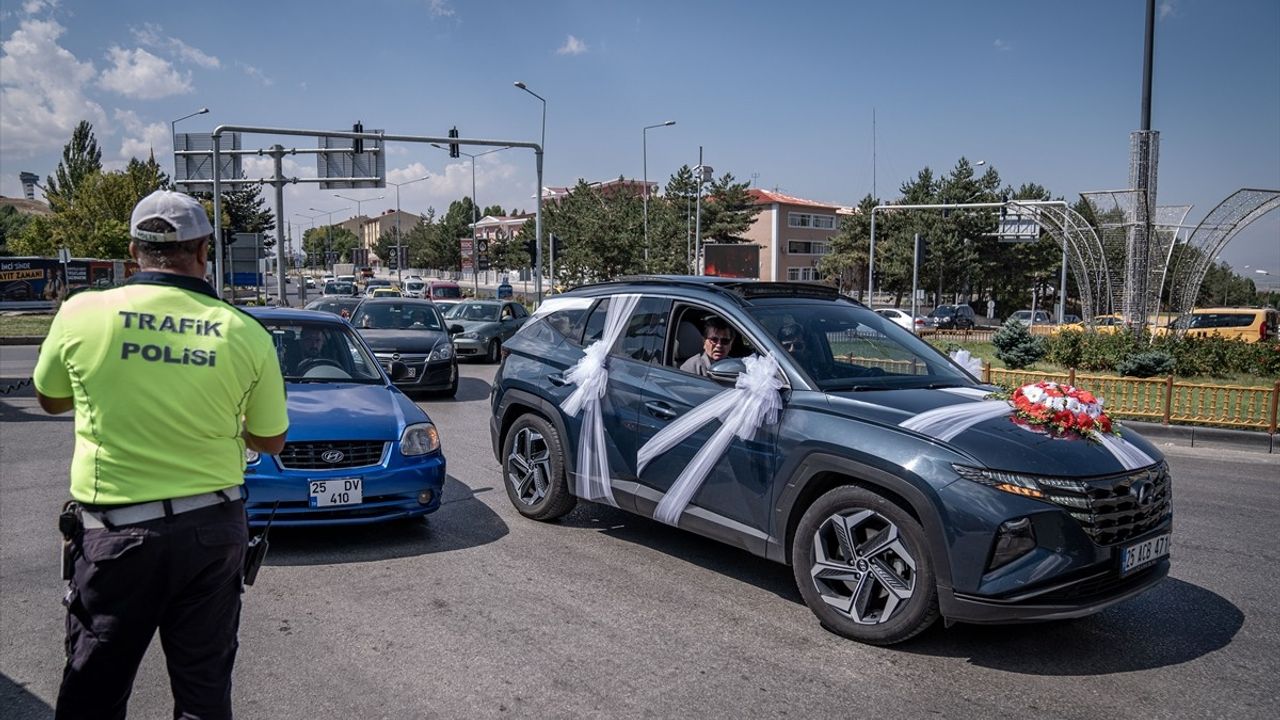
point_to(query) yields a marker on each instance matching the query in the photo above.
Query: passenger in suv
(875, 467)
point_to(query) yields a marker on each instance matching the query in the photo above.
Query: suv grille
(1117, 508)
(331, 454)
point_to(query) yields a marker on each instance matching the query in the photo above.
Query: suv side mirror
(726, 370)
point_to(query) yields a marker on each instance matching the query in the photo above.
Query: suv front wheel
(863, 567)
(533, 469)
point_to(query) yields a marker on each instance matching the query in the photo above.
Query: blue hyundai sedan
(358, 450)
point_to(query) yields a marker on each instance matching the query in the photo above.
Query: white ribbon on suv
(741, 410)
(591, 376)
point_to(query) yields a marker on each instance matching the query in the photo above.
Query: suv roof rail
(739, 288)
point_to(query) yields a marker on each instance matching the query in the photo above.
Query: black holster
(71, 525)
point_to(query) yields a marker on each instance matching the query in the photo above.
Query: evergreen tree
(12, 223)
(727, 210)
(1016, 346)
(847, 261)
(81, 158)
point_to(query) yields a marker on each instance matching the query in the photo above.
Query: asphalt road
(477, 612)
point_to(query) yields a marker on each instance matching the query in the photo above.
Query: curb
(22, 340)
(1195, 435)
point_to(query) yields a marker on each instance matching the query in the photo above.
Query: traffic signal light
(454, 149)
(357, 145)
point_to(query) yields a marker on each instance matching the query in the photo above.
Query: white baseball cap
(182, 211)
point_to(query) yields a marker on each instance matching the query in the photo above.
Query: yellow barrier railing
(1164, 400)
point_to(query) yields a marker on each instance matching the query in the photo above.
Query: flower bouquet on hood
(1060, 410)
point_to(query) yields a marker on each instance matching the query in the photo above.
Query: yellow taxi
(1247, 324)
(1158, 323)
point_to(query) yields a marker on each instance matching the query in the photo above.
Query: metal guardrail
(1165, 400)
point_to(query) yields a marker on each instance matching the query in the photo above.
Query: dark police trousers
(180, 575)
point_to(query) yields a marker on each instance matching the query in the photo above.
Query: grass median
(25, 325)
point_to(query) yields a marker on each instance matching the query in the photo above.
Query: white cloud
(1002, 45)
(255, 73)
(572, 46)
(440, 8)
(1166, 9)
(153, 36)
(139, 74)
(42, 87)
(31, 7)
(141, 139)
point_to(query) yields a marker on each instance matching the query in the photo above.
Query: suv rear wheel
(863, 567)
(533, 468)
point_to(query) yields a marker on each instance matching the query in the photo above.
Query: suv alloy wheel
(533, 468)
(863, 567)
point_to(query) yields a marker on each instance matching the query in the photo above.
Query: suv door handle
(660, 410)
(557, 379)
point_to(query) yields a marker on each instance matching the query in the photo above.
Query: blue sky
(781, 93)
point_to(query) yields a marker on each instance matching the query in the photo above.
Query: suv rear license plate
(1142, 554)
(339, 491)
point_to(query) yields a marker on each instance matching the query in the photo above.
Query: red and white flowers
(1061, 408)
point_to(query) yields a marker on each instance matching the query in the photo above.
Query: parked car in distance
(486, 325)
(892, 500)
(358, 450)
(442, 290)
(342, 305)
(381, 292)
(366, 272)
(339, 288)
(952, 317)
(414, 333)
(1247, 324)
(903, 319)
(414, 287)
(310, 282)
(347, 279)
(1025, 317)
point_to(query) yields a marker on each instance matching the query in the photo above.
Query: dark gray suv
(868, 461)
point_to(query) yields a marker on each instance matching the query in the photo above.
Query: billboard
(339, 167)
(36, 279)
(199, 165)
(734, 261)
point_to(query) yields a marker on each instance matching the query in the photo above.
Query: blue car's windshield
(845, 347)
(473, 311)
(313, 352)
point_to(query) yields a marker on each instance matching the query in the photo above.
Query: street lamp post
(537, 231)
(399, 234)
(475, 214)
(173, 135)
(644, 140)
(329, 231)
(359, 212)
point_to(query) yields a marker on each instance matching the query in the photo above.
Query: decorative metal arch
(1118, 212)
(1085, 257)
(1232, 215)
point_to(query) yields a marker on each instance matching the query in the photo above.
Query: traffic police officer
(169, 385)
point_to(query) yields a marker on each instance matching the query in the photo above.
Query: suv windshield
(473, 311)
(397, 316)
(845, 347)
(313, 352)
(943, 311)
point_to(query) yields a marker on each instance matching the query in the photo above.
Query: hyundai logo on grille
(1143, 492)
(332, 456)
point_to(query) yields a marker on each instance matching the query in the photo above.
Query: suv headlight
(1015, 483)
(441, 352)
(419, 439)
(250, 456)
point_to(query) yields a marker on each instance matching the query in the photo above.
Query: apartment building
(793, 234)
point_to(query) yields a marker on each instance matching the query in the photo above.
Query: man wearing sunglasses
(717, 341)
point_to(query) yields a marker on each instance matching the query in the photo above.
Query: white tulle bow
(753, 400)
(966, 360)
(591, 377)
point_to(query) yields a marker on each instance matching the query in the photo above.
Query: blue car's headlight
(419, 439)
(441, 352)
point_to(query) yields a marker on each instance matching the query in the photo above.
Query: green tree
(81, 158)
(11, 224)
(847, 261)
(316, 241)
(1016, 346)
(244, 211)
(727, 210)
